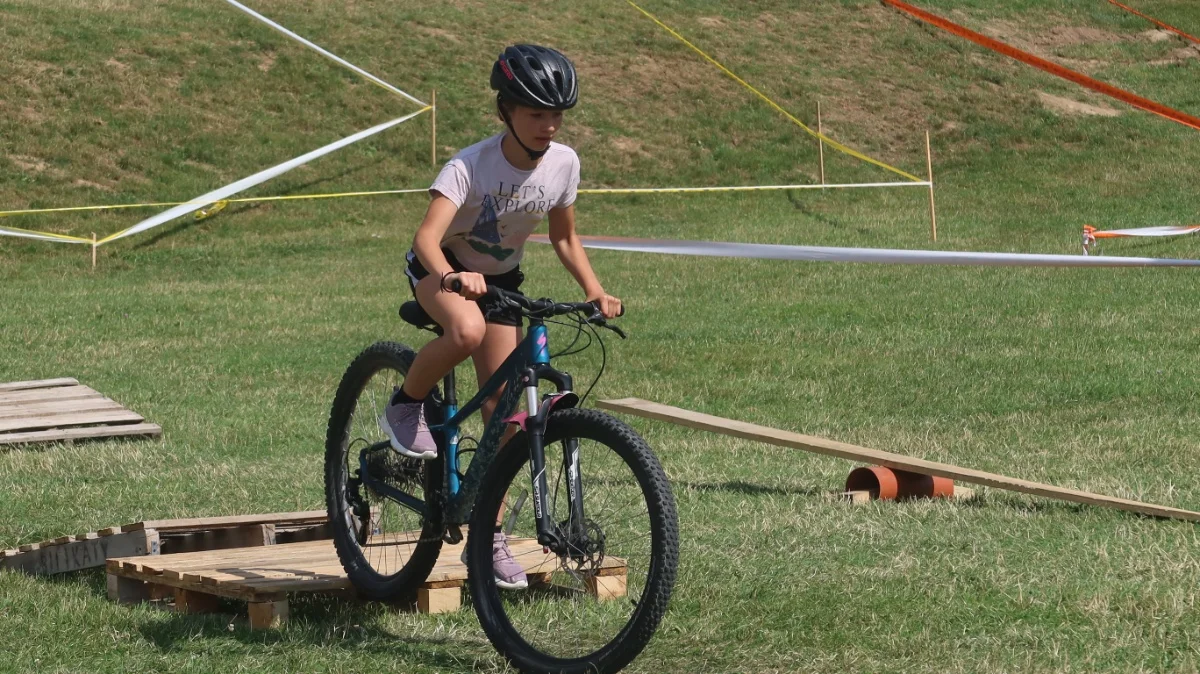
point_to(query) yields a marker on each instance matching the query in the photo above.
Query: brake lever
(597, 319)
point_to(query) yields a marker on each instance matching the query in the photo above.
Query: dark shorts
(493, 312)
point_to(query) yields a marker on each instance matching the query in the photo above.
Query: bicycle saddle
(412, 313)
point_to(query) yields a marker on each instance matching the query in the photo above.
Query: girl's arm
(427, 244)
(570, 252)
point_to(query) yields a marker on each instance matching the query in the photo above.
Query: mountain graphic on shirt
(485, 235)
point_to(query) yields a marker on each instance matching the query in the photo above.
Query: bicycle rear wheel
(595, 608)
(386, 549)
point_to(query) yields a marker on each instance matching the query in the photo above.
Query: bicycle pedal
(453, 535)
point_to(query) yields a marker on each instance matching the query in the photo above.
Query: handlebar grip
(596, 303)
(491, 293)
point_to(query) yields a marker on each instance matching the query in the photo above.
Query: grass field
(232, 332)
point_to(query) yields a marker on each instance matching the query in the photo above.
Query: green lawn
(232, 332)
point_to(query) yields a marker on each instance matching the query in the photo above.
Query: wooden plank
(808, 443)
(53, 407)
(295, 553)
(87, 554)
(41, 395)
(201, 523)
(41, 383)
(75, 419)
(323, 584)
(81, 433)
(247, 536)
(129, 570)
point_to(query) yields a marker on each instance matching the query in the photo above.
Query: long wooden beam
(809, 443)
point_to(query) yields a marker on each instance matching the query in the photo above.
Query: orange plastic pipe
(886, 484)
(880, 482)
(1048, 66)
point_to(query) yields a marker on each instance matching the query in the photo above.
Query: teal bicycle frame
(519, 376)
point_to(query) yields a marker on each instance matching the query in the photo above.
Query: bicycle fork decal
(537, 492)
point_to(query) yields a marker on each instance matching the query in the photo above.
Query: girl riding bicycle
(485, 203)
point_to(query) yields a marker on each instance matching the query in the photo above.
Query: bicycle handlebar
(542, 307)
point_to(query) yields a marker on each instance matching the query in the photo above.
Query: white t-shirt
(499, 206)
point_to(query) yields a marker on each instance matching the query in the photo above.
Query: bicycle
(601, 559)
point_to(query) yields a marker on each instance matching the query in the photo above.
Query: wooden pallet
(53, 410)
(164, 537)
(263, 578)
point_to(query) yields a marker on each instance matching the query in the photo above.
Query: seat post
(449, 393)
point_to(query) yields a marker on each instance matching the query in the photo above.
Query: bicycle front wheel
(596, 606)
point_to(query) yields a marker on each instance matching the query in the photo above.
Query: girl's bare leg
(463, 333)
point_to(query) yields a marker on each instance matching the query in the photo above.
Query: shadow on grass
(740, 487)
(324, 622)
(315, 620)
(803, 207)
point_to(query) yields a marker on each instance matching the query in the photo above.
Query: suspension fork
(574, 486)
(537, 415)
(535, 427)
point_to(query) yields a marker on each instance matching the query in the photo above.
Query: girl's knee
(467, 335)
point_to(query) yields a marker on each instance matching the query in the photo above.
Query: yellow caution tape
(213, 207)
(218, 206)
(210, 210)
(832, 143)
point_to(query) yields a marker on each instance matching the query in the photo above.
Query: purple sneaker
(404, 424)
(509, 574)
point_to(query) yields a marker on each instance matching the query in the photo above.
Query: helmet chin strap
(533, 154)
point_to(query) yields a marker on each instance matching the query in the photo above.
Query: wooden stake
(433, 135)
(932, 209)
(93, 250)
(820, 141)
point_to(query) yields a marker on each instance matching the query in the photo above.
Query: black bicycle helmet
(537, 77)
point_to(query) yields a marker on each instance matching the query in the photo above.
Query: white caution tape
(40, 236)
(1148, 231)
(865, 255)
(256, 179)
(327, 54)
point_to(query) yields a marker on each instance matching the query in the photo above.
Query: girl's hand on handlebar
(609, 305)
(472, 285)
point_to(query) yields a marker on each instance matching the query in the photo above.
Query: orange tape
(1048, 66)
(1156, 22)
